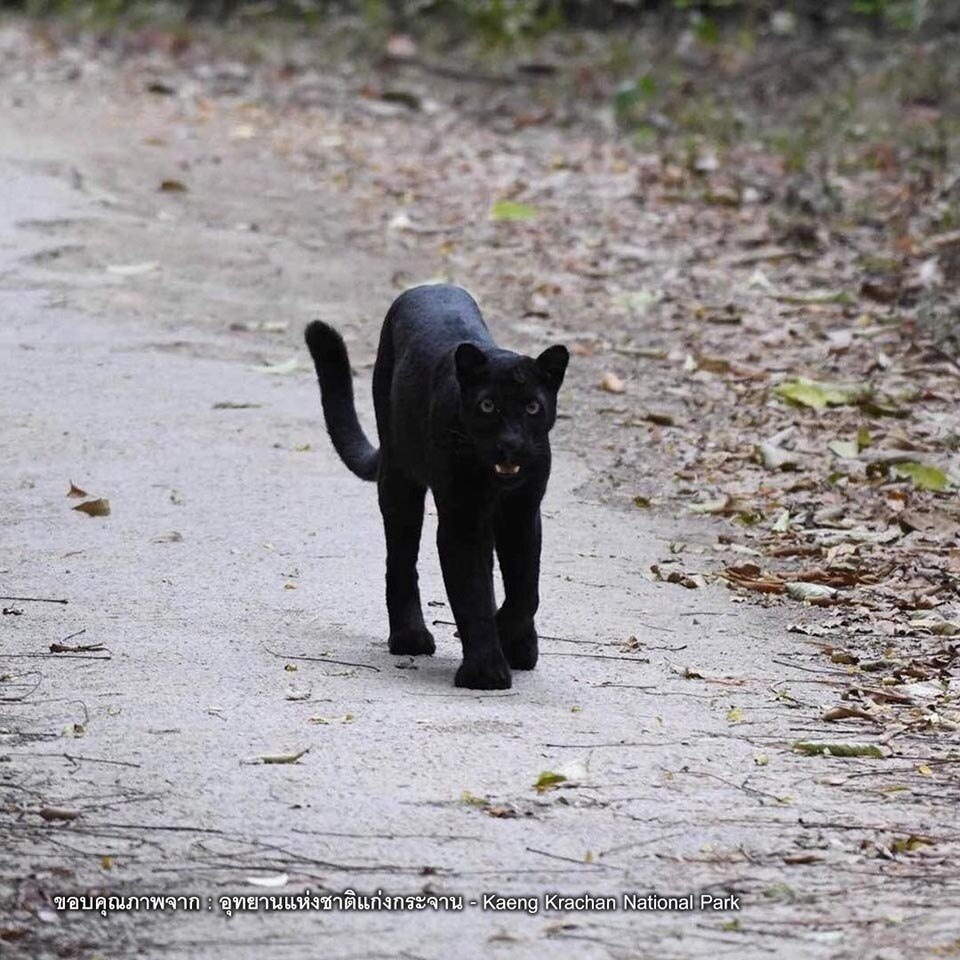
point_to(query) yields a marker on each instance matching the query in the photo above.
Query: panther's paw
(491, 674)
(519, 644)
(412, 642)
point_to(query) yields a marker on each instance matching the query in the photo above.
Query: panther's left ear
(469, 360)
(553, 362)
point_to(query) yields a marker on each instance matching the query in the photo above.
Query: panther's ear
(553, 362)
(470, 360)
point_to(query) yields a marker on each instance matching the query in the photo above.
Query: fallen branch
(58, 656)
(340, 663)
(74, 758)
(796, 666)
(35, 599)
(593, 656)
(64, 647)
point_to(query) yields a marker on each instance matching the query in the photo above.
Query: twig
(641, 843)
(795, 666)
(753, 791)
(173, 828)
(593, 656)
(64, 647)
(622, 743)
(653, 626)
(592, 643)
(835, 825)
(664, 693)
(598, 643)
(388, 836)
(57, 656)
(258, 846)
(557, 856)
(35, 599)
(11, 681)
(75, 757)
(340, 663)
(120, 801)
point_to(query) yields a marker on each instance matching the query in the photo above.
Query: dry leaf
(512, 211)
(276, 880)
(811, 592)
(749, 577)
(844, 713)
(612, 383)
(572, 772)
(172, 537)
(58, 814)
(132, 269)
(94, 508)
(278, 757)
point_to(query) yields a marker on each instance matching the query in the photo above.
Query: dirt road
(234, 599)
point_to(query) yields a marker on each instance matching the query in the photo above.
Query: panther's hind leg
(401, 503)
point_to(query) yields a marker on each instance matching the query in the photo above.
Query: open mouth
(507, 469)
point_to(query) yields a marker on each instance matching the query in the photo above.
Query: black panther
(470, 421)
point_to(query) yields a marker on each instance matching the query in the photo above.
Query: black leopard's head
(508, 404)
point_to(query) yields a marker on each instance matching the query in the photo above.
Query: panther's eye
(533, 407)
(487, 405)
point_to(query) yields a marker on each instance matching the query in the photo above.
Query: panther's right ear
(553, 362)
(469, 360)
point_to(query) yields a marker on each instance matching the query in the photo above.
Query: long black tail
(329, 354)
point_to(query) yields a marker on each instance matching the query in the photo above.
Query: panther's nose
(509, 449)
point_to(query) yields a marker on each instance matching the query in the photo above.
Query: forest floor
(751, 534)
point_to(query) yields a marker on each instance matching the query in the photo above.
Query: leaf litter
(94, 508)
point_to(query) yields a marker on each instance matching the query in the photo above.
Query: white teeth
(507, 469)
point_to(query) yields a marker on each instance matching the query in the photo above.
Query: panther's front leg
(465, 543)
(518, 540)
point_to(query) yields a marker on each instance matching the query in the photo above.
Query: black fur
(329, 354)
(470, 421)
